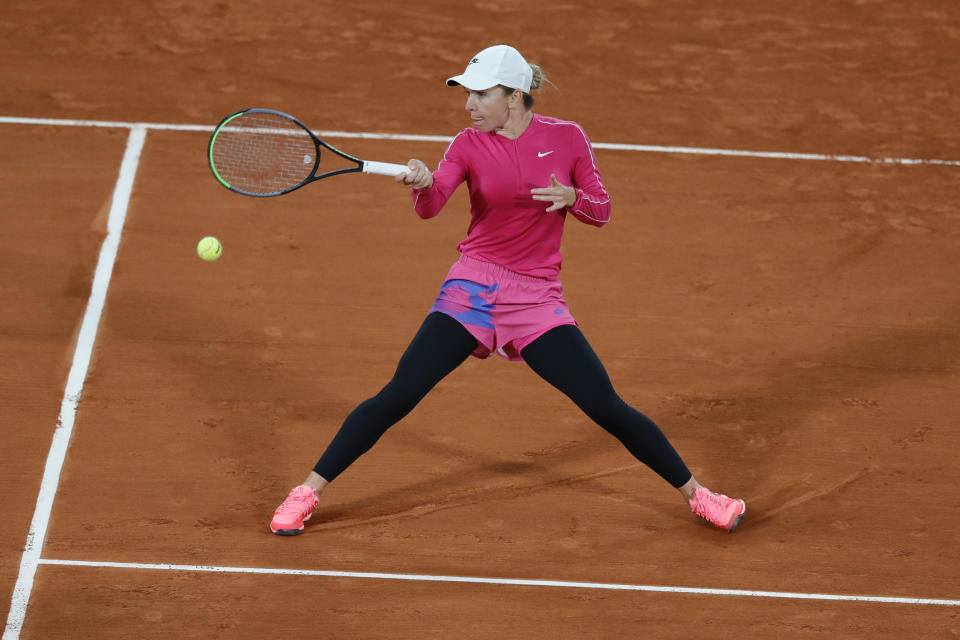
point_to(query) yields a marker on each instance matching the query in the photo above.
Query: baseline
(504, 581)
(366, 135)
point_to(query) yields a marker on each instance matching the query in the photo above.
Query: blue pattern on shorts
(467, 293)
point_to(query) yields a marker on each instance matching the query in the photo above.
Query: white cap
(500, 64)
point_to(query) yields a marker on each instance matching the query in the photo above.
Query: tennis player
(526, 173)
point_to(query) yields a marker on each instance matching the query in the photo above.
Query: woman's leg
(440, 346)
(564, 358)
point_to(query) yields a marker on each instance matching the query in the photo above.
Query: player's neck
(516, 124)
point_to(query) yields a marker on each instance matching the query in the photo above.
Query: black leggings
(561, 356)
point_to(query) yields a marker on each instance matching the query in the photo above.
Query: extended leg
(564, 358)
(439, 347)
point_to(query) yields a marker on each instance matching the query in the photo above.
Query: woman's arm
(431, 191)
(592, 203)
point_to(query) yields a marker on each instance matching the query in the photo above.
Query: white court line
(502, 581)
(74, 387)
(646, 148)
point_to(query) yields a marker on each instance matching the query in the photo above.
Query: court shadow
(795, 389)
(483, 478)
(855, 376)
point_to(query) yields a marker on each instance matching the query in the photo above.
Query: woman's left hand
(560, 195)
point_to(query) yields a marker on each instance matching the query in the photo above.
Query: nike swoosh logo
(544, 153)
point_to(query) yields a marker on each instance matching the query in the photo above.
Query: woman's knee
(399, 396)
(604, 407)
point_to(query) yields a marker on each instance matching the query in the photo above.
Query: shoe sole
(736, 523)
(287, 532)
(290, 532)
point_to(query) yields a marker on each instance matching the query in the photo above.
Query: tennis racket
(262, 153)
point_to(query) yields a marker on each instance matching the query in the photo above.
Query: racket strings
(263, 153)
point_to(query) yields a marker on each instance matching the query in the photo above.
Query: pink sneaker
(716, 508)
(289, 517)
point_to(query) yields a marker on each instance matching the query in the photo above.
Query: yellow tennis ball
(209, 248)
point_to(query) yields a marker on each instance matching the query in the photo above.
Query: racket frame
(363, 166)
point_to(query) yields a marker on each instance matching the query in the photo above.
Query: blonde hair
(538, 77)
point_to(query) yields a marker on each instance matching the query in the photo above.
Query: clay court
(777, 290)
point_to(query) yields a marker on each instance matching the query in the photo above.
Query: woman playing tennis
(525, 173)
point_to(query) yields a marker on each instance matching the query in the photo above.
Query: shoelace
(708, 504)
(294, 502)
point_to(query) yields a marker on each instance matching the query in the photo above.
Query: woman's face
(489, 109)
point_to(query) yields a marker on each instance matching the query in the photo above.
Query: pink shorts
(504, 310)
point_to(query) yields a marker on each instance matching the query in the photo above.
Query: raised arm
(430, 191)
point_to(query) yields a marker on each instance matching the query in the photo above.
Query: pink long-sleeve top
(507, 226)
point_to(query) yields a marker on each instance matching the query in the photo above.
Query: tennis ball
(209, 248)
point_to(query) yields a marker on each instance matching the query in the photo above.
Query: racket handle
(384, 168)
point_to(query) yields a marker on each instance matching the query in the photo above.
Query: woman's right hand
(419, 176)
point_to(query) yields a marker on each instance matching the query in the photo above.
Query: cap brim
(471, 82)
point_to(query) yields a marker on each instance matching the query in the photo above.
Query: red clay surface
(47, 254)
(793, 326)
